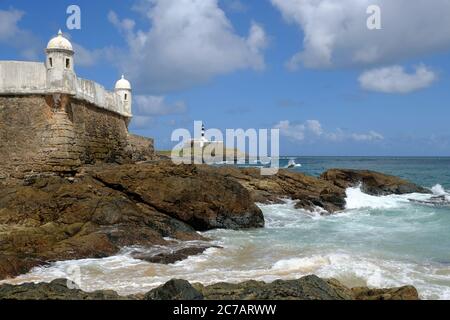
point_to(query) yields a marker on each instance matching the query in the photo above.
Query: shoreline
(148, 195)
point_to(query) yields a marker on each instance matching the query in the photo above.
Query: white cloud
(142, 122)
(312, 130)
(8, 23)
(314, 126)
(235, 5)
(336, 34)
(293, 131)
(86, 57)
(395, 79)
(13, 36)
(189, 42)
(125, 25)
(147, 109)
(146, 105)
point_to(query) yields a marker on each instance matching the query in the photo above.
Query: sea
(384, 241)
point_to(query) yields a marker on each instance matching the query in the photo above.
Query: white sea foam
(357, 199)
(438, 190)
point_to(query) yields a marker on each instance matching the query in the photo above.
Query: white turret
(60, 65)
(123, 89)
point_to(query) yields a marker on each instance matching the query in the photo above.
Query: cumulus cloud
(336, 33)
(395, 79)
(142, 122)
(13, 36)
(189, 42)
(235, 6)
(146, 105)
(311, 130)
(86, 57)
(147, 109)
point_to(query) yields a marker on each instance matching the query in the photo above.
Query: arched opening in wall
(50, 62)
(126, 97)
(67, 63)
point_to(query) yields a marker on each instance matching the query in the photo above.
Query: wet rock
(201, 198)
(402, 293)
(437, 201)
(174, 290)
(373, 183)
(106, 208)
(306, 288)
(55, 290)
(310, 193)
(170, 256)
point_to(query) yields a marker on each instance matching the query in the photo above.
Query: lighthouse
(199, 142)
(203, 141)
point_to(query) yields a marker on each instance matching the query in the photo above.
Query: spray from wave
(357, 199)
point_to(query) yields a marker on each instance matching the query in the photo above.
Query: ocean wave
(357, 199)
(128, 276)
(439, 191)
(353, 270)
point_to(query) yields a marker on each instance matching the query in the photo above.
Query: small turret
(123, 89)
(60, 64)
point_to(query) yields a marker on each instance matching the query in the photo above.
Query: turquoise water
(377, 241)
(423, 171)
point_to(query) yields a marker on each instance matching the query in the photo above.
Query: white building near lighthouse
(57, 76)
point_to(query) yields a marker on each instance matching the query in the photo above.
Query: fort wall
(60, 133)
(25, 78)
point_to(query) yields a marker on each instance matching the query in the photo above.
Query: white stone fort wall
(18, 77)
(23, 78)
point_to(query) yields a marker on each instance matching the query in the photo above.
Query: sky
(310, 68)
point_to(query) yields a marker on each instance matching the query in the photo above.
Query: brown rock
(48, 218)
(402, 293)
(310, 192)
(373, 183)
(55, 290)
(170, 256)
(202, 198)
(306, 288)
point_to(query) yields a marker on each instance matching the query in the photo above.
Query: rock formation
(306, 288)
(48, 218)
(309, 192)
(55, 290)
(373, 183)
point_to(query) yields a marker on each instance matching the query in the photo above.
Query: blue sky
(310, 68)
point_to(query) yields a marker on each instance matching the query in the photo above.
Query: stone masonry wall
(56, 133)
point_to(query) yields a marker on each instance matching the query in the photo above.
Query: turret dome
(123, 84)
(59, 43)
